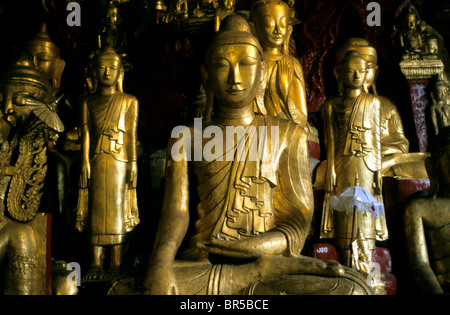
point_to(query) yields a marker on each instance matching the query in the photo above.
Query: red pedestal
(314, 149)
(382, 256)
(325, 251)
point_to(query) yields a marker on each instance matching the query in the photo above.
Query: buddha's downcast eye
(220, 62)
(248, 61)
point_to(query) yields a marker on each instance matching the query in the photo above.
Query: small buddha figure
(285, 91)
(178, 11)
(354, 155)
(226, 7)
(253, 214)
(205, 8)
(427, 223)
(440, 108)
(410, 38)
(112, 35)
(431, 47)
(293, 18)
(107, 203)
(435, 47)
(25, 96)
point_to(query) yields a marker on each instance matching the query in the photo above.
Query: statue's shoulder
(85, 97)
(386, 102)
(295, 63)
(128, 97)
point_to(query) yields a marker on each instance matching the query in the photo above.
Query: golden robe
(354, 152)
(111, 206)
(245, 197)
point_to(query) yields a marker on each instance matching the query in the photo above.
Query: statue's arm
(173, 224)
(269, 243)
(434, 118)
(330, 177)
(132, 122)
(85, 145)
(300, 93)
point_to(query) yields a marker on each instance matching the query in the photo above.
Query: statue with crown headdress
(107, 205)
(353, 132)
(28, 113)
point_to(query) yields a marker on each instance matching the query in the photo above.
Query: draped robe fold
(248, 196)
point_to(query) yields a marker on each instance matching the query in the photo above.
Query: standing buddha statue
(354, 154)
(107, 201)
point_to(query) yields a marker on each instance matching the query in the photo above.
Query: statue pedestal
(418, 73)
(419, 104)
(381, 256)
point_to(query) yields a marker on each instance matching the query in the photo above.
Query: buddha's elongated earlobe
(337, 72)
(120, 80)
(288, 39)
(209, 93)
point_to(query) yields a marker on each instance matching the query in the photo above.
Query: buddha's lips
(235, 91)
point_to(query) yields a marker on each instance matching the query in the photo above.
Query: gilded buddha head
(270, 19)
(410, 20)
(46, 57)
(353, 70)
(233, 71)
(441, 89)
(108, 69)
(112, 17)
(432, 45)
(227, 5)
(368, 52)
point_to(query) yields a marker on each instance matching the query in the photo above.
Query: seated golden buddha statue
(427, 223)
(107, 204)
(410, 38)
(285, 95)
(253, 211)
